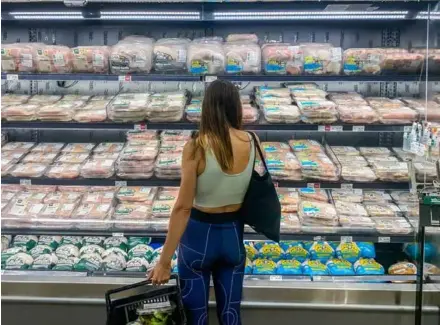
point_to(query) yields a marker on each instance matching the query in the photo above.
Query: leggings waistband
(216, 218)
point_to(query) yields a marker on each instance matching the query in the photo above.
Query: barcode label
(12, 77)
(25, 182)
(347, 186)
(358, 128)
(124, 78)
(140, 127)
(120, 183)
(384, 239)
(330, 128)
(313, 185)
(275, 278)
(346, 239)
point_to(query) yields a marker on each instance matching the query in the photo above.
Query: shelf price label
(330, 128)
(313, 185)
(140, 127)
(347, 186)
(12, 77)
(120, 183)
(276, 278)
(346, 239)
(210, 78)
(358, 128)
(383, 239)
(118, 234)
(126, 78)
(318, 238)
(25, 182)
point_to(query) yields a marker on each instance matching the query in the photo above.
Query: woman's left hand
(160, 274)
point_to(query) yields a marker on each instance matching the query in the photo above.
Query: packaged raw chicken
(10, 99)
(282, 165)
(306, 93)
(61, 111)
(429, 109)
(93, 211)
(128, 107)
(242, 57)
(24, 209)
(7, 165)
(433, 58)
(242, 38)
(289, 223)
(63, 197)
(374, 151)
(314, 213)
(426, 171)
(321, 58)
(53, 59)
(142, 194)
(391, 171)
(94, 168)
(167, 193)
(95, 196)
(345, 151)
(68, 171)
(363, 61)
(392, 111)
(347, 98)
(31, 196)
(404, 197)
(357, 114)
(289, 199)
(351, 196)
(162, 208)
(168, 165)
(206, 56)
(250, 114)
(39, 157)
(392, 226)
(166, 107)
(29, 170)
(18, 146)
(313, 194)
(401, 61)
(272, 96)
(358, 174)
(376, 196)
(78, 148)
(48, 147)
(57, 210)
(275, 147)
(175, 135)
(194, 110)
(172, 146)
(93, 111)
(19, 57)
(381, 159)
(133, 54)
(350, 209)
(14, 155)
(72, 158)
(44, 99)
(21, 112)
(281, 113)
(381, 209)
(141, 135)
(317, 166)
(108, 147)
(170, 54)
(91, 59)
(305, 145)
(132, 211)
(282, 58)
(356, 222)
(146, 150)
(317, 111)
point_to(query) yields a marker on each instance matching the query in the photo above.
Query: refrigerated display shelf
(193, 126)
(166, 182)
(347, 235)
(194, 78)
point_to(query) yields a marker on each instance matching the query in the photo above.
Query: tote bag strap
(259, 151)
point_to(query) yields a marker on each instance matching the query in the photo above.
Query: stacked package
(250, 114)
(194, 110)
(12, 152)
(166, 107)
(91, 59)
(281, 162)
(317, 216)
(206, 56)
(315, 164)
(433, 58)
(19, 57)
(133, 54)
(163, 206)
(313, 106)
(169, 161)
(70, 160)
(134, 208)
(137, 158)
(62, 110)
(352, 215)
(276, 105)
(289, 200)
(385, 166)
(170, 54)
(128, 107)
(243, 54)
(53, 59)
(354, 166)
(321, 59)
(392, 111)
(352, 108)
(102, 162)
(93, 111)
(282, 58)
(428, 110)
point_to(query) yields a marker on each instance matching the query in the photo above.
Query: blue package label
(275, 66)
(338, 266)
(321, 251)
(348, 251)
(314, 268)
(233, 66)
(289, 267)
(264, 266)
(198, 67)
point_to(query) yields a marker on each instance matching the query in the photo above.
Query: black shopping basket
(122, 309)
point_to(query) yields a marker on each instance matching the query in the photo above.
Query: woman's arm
(179, 216)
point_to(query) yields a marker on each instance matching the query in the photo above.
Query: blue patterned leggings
(217, 249)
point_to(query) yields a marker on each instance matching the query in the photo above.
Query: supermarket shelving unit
(276, 297)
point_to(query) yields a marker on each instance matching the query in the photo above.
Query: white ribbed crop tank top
(215, 188)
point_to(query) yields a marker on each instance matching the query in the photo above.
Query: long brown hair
(221, 110)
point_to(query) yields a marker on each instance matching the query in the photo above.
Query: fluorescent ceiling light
(150, 17)
(47, 17)
(306, 13)
(125, 13)
(38, 13)
(327, 17)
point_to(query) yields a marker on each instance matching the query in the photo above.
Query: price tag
(120, 183)
(330, 128)
(126, 78)
(140, 127)
(210, 78)
(275, 278)
(118, 234)
(347, 186)
(358, 128)
(318, 238)
(12, 77)
(346, 239)
(313, 185)
(384, 239)
(25, 182)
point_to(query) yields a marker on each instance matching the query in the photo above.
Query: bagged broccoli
(137, 264)
(348, 251)
(72, 240)
(134, 241)
(120, 242)
(113, 262)
(11, 252)
(289, 267)
(27, 241)
(368, 266)
(91, 249)
(40, 250)
(94, 240)
(6, 240)
(141, 250)
(264, 266)
(65, 263)
(321, 251)
(19, 261)
(310, 267)
(338, 266)
(44, 262)
(115, 251)
(68, 250)
(52, 241)
(88, 262)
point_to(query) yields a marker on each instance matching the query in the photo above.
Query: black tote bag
(261, 209)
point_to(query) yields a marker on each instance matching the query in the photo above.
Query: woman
(205, 223)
